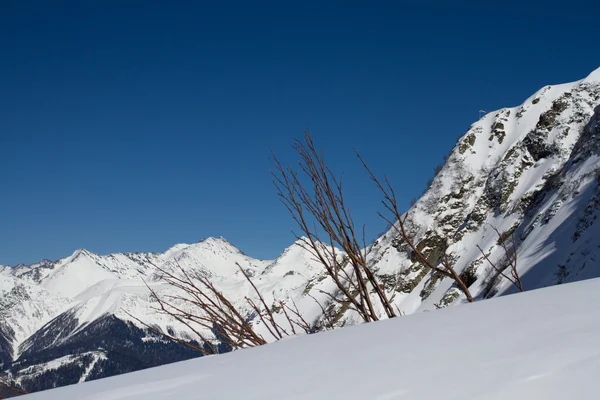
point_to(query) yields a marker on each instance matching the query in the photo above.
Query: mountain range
(530, 172)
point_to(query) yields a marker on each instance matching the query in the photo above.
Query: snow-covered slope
(24, 308)
(538, 345)
(532, 171)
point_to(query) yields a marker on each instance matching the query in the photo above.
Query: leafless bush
(356, 284)
(315, 199)
(200, 306)
(322, 215)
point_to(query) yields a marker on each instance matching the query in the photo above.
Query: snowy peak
(83, 269)
(299, 258)
(115, 284)
(593, 77)
(538, 124)
(76, 274)
(78, 253)
(215, 257)
(215, 246)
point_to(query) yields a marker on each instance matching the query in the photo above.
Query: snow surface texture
(538, 345)
(533, 170)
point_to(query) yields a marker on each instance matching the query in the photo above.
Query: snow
(541, 344)
(593, 77)
(79, 272)
(105, 297)
(26, 307)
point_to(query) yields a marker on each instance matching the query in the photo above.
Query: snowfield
(542, 344)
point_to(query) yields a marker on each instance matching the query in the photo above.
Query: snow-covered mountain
(532, 171)
(70, 320)
(24, 307)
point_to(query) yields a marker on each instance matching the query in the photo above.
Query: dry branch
(320, 211)
(199, 305)
(398, 222)
(11, 388)
(510, 261)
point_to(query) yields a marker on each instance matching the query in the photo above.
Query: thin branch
(390, 203)
(323, 202)
(12, 388)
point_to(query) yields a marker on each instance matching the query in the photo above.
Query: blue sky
(134, 125)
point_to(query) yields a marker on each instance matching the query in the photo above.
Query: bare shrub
(200, 306)
(314, 197)
(320, 211)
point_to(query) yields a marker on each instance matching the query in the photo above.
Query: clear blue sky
(134, 125)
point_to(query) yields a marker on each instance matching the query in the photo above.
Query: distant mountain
(532, 171)
(67, 321)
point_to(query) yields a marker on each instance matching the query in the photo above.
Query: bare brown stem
(398, 221)
(323, 203)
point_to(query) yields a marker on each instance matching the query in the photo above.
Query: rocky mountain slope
(530, 172)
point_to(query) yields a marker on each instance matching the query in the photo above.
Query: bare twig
(510, 261)
(12, 388)
(324, 313)
(323, 201)
(199, 305)
(390, 203)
